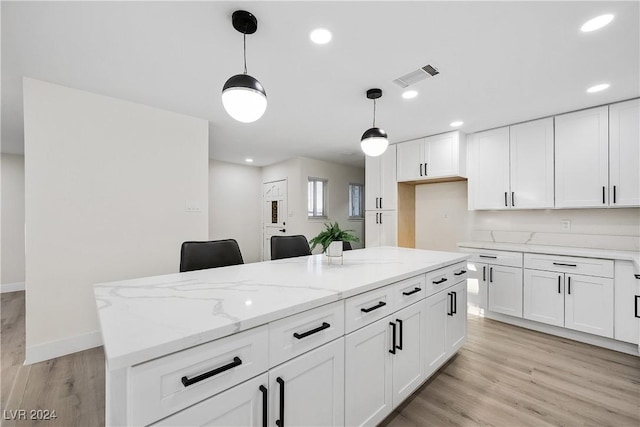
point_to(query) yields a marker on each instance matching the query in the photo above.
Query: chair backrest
(289, 246)
(216, 253)
(346, 246)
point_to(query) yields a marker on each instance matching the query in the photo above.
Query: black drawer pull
(637, 276)
(411, 292)
(188, 381)
(437, 282)
(324, 326)
(488, 256)
(265, 404)
(635, 312)
(280, 422)
(375, 307)
(564, 264)
(460, 273)
(393, 338)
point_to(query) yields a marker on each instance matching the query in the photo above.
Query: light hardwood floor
(503, 376)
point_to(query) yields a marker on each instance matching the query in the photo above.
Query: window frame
(325, 183)
(360, 216)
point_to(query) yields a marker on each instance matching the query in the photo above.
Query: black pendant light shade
(374, 140)
(374, 133)
(243, 97)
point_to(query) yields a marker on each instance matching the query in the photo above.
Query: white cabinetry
(589, 304)
(624, 153)
(581, 159)
(381, 190)
(544, 297)
(433, 157)
(504, 290)
(381, 228)
(309, 390)
(627, 302)
(513, 167)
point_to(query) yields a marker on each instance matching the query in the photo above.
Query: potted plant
(331, 239)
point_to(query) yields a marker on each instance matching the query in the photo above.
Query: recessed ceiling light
(409, 94)
(248, 160)
(598, 88)
(596, 23)
(456, 123)
(320, 36)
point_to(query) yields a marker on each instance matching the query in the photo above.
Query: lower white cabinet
(588, 305)
(381, 228)
(544, 297)
(384, 365)
(446, 316)
(242, 405)
(309, 389)
(504, 290)
(627, 302)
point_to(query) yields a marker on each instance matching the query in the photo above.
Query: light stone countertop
(556, 250)
(146, 318)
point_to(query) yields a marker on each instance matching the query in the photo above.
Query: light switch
(566, 224)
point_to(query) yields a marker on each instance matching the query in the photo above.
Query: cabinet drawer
(363, 309)
(157, 388)
(459, 272)
(408, 291)
(444, 277)
(566, 264)
(506, 258)
(298, 334)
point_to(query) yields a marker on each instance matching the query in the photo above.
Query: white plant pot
(335, 249)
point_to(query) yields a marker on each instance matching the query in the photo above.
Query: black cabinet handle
(393, 338)
(637, 276)
(411, 292)
(375, 307)
(490, 274)
(603, 190)
(381, 215)
(376, 203)
(437, 282)
(484, 273)
(637, 297)
(399, 347)
(265, 421)
(569, 284)
(425, 169)
(324, 326)
(420, 169)
(488, 256)
(614, 194)
(449, 304)
(505, 199)
(188, 381)
(280, 422)
(559, 284)
(377, 222)
(381, 206)
(513, 200)
(454, 302)
(564, 265)
(460, 273)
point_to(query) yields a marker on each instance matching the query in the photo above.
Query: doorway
(274, 214)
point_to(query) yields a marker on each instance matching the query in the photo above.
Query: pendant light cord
(374, 113)
(244, 50)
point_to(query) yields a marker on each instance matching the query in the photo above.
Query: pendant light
(374, 141)
(243, 96)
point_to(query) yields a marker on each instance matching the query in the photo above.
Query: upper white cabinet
(513, 167)
(434, 157)
(582, 159)
(624, 153)
(381, 190)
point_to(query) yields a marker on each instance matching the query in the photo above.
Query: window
(317, 198)
(356, 201)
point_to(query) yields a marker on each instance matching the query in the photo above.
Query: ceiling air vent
(416, 76)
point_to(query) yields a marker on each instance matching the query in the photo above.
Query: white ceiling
(500, 63)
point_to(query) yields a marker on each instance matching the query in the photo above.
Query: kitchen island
(284, 342)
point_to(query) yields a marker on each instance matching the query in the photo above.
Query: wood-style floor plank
(503, 376)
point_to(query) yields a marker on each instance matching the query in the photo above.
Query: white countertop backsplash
(145, 318)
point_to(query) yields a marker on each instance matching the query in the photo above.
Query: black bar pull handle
(637, 297)
(437, 282)
(188, 381)
(513, 200)
(484, 273)
(265, 393)
(559, 284)
(454, 302)
(564, 264)
(505, 199)
(490, 274)
(569, 284)
(420, 169)
(399, 347)
(376, 203)
(488, 256)
(425, 169)
(380, 208)
(614, 194)
(324, 326)
(637, 276)
(381, 215)
(377, 218)
(393, 338)
(449, 304)
(375, 307)
(280, 422)
(460, 273)
(411, 292)
(603, 190)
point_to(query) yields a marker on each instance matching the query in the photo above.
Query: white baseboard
(11, 287)
(53, 349)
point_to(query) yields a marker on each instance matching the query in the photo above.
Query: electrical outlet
(193, 206)
(566, 224)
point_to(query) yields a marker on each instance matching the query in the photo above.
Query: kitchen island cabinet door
(409, 360)
(457, 318)
(309, 390)
(437, 307)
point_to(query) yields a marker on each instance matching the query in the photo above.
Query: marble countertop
(146, 318)
(556, 250)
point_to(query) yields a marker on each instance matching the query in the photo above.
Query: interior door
(274, 214)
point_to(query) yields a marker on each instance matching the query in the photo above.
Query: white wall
(106, 184)
(617, 229)
(339, 176)
(235, 193)
(12, 204)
